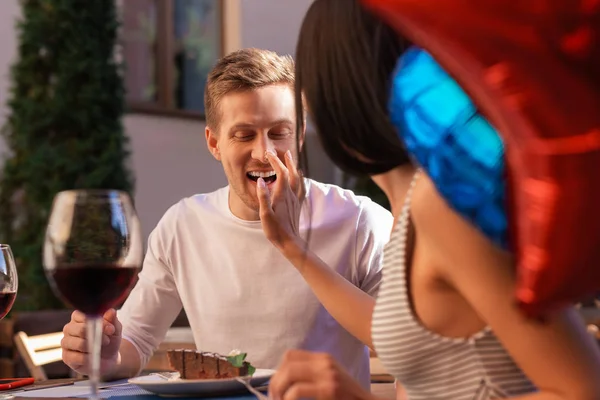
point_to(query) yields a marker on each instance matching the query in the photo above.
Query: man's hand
(318, 376)
(280, 210)
(75, 345)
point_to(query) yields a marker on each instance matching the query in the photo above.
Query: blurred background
(73, 116)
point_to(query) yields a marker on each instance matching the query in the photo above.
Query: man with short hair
(209, 255)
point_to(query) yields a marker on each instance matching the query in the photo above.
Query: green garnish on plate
(238, 362)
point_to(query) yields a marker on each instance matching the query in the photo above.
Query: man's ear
(212, 142)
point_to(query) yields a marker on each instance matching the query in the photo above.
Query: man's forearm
(128, 362)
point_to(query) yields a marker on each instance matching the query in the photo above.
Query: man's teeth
(261, 174)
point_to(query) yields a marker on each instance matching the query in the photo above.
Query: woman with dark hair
(443, 323)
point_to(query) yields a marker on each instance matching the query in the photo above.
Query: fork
(246, 382)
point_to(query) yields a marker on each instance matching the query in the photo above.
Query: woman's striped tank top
(429, 366)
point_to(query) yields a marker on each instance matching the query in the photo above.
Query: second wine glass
(9, 280)
(92, 254)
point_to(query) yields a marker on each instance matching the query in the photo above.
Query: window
(168, 48)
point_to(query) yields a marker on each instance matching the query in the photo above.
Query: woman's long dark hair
(345, 58)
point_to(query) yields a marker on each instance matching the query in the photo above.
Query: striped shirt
(430, 366)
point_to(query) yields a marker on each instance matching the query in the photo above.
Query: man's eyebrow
(246, 125)
(282, 121)
(241, 125)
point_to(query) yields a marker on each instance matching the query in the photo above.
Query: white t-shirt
(239, 292)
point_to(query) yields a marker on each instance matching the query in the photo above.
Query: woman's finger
(294, 178)
(292, 373)
(302, 390)
(293, 355)
(301, 191)
(280, 169)
(264, 200)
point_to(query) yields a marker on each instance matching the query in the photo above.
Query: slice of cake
(192, 364)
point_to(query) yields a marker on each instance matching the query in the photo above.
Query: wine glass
(9, 280)
(9, 283)
(92, 254)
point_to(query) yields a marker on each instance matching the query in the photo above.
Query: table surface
(77, 388)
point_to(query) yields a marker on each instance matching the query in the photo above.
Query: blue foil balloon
(457, 147)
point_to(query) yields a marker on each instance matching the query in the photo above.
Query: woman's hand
(280, 210)
(304, 374)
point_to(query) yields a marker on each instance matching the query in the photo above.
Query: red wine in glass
(9, 281)
(7, 299)
(112, 284)
(92, 254)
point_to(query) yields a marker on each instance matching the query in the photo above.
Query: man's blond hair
(242, 70)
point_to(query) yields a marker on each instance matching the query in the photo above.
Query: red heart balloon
(533, 68)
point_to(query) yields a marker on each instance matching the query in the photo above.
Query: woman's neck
(395, 184)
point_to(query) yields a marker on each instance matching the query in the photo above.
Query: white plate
(190, 387)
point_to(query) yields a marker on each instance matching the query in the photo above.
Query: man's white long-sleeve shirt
(239, 292)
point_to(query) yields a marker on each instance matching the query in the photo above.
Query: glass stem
(94, 339)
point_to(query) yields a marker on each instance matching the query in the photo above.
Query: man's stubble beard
(249, 199)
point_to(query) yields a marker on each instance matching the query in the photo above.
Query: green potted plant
(64, 128)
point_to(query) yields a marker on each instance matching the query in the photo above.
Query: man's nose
(261, 146)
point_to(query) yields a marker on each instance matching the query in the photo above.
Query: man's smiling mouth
(268, 176)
